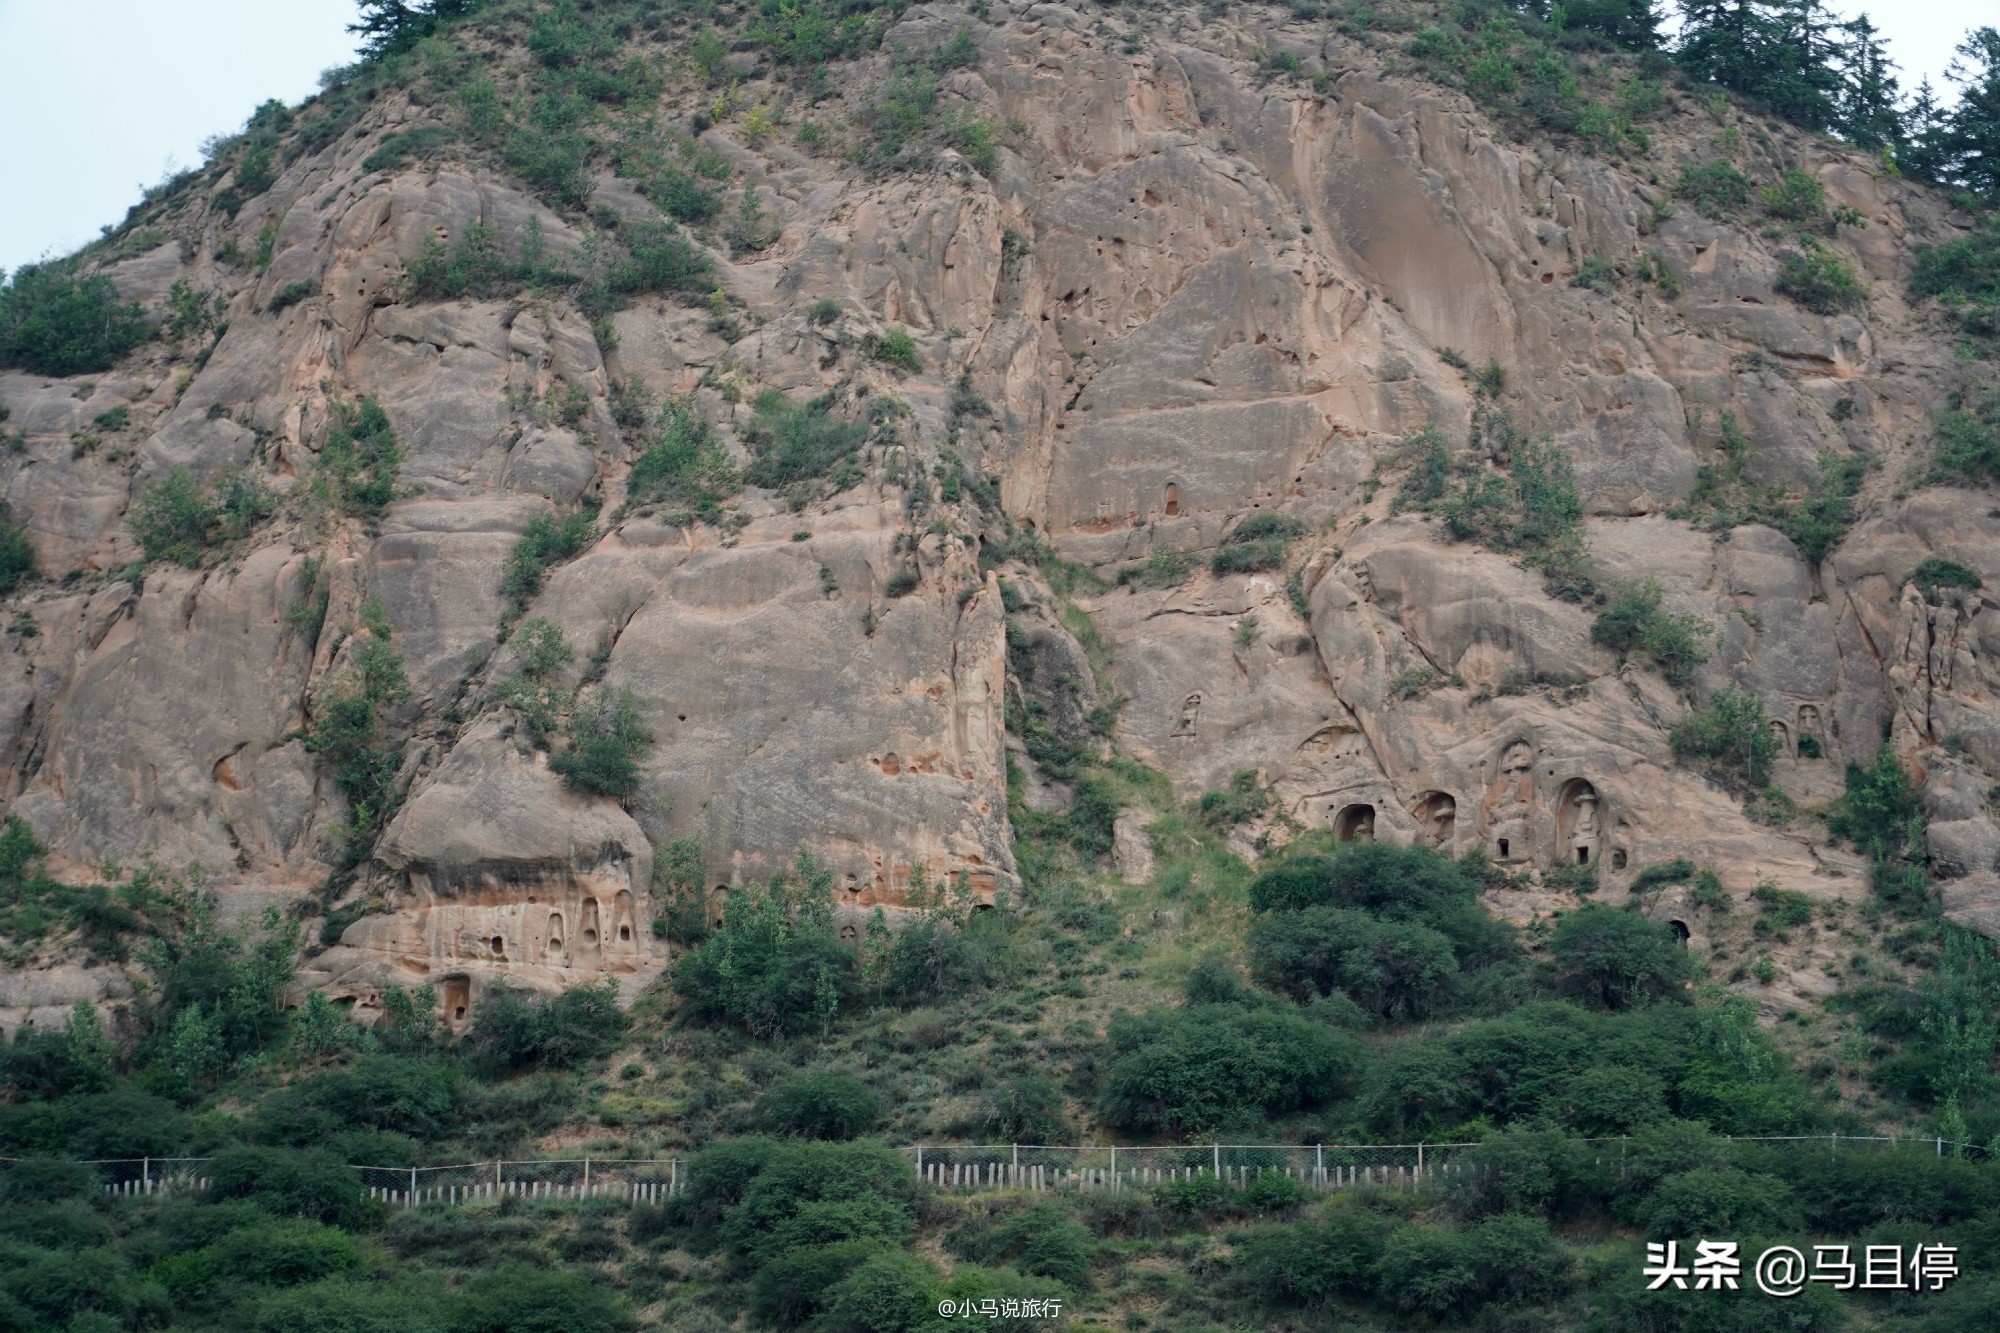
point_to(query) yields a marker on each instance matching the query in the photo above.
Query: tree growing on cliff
(386, 26)
(776, 965)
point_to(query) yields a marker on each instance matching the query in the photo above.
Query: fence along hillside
(966, 1168)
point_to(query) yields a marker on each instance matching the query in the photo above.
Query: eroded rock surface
(1186, 296)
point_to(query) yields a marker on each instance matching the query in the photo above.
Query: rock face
(1190, 296)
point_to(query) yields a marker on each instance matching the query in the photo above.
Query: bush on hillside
(1194, 1070)
(55, 321)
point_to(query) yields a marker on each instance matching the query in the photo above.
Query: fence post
(1114, 1165)
(920, 1161)
(1017, 1156)
(586, 1178)
(413, 1187)
(1319, 1166)
(1940, 1145)
(1218, 1161)
(1420, 1161)
(146, 1175)
(496, 1177)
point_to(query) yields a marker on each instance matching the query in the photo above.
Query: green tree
(55, 321)
(1971, 138)
(606, 738)
(820, 1105)
(1730, 729)
(1632, 623)
(1194, 1070)
(174, 519)
(358, 462)
(1392, 969)
(775, 965)
(1617, 958)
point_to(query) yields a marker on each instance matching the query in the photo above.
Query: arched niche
(1782, 734)
(557, 950)
(1681, 932)
(1173, 505)
(1437, 818)
(1355, 823)
(1579, 823)
(457, 993)
(625, 922)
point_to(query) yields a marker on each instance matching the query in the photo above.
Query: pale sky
(99, 96)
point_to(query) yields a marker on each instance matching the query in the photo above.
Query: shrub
(1517, 1067)
(938, 956)
(897, 349)
(1677, 871)
(314, 1185)
(1712, 1202)
(519, 1298)
(1027, 1108)
(549, 153)
(775, 965)
(33, 1180)
(55, 322)
(1617, 958)
(1195, 1069)
(1632, 623)
(190, 311)
(1392, 969)
(1968, 438)
(793, 442)
(174, 518)
(790, 1289)
(512, 1032)
(347, 1307)
(1730, 731)
(1797, 197)
(890, 1293)
(92, 1290)
(1881, 808)
(1518, 1170)
(1042, 1240)
(548, 541)
(420, 144)
(1409, 883)
(1258, 542)
(286, 1254)
(291, 294)
(1935, 573)
(1313, 1263)
(661, 259)
(1716, 188)
(383, 1092)
(357, 466)
(820, 1106)
(1819, 280)
(17, 553)
(606, 738)
(685, 465)
(470, 266)
(771, 1197)
(908, 126)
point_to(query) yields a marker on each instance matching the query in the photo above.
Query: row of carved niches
(1553, 817)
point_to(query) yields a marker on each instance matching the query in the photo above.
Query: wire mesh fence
(965, 1168)
(1050, 1167)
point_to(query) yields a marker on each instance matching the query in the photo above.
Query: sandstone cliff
(1186, 293)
